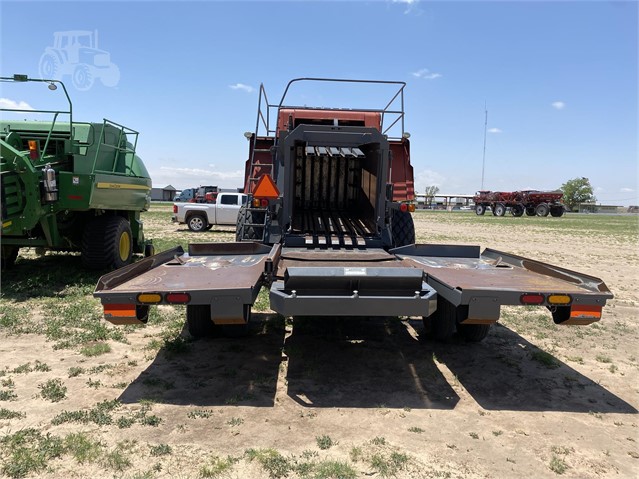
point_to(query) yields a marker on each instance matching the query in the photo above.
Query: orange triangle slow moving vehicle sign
(266, 188)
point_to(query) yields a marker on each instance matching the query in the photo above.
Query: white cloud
(425, 178)
(410, 5)
(558, 105)
(627, 190)
(243, 87)
(426, 74)
(494, 130)
(201, 173)
(14, 105)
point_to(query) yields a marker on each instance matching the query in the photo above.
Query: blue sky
(559, 80)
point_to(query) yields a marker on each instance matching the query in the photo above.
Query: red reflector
(403, 207)
(74, 197)
(532, 298)
(178, 298)
(264, 203)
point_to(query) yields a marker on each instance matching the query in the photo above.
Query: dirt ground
(533, 399)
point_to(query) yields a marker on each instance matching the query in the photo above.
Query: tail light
(34, 154)
(559, 299)
(178, 298)
(149, 298)
(532, 298)
(175, 208)
(403, 207)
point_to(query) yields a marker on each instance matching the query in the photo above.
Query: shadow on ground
(368, 363)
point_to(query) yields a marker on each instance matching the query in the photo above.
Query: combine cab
(71, 186)
(328, 230)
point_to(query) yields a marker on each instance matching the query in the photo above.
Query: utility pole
(483, 161)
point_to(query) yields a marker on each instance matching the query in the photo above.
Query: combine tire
(542, 209)
(473, 333)
(480, 210)
(557, 211)
(197, 223)
(8, 256)
(517, 210)
(403, 228)
(199, 322)
(107, 243)
(500, 209)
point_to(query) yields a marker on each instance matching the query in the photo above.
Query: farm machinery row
(530, 202)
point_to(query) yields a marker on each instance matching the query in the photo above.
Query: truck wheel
(557, 211)
(403, 228)
(480, 210)
(441, 325)
(107, 243)
(197, 223)
(199, 322)
(517, 210)
(542, 209)
(149, 250)
(500, 209)
(473, 333)
(8, 256)
(530, 211)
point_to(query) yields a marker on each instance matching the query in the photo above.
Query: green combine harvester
(71, 186)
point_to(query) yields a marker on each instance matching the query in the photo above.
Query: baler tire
(480, 210)
(473, 333)
(197, 223)
(441, 325)
(403, 228)
(9, 254)
(199, 322)
(107, 243)
(542, 209)
(557, 211)
(500, 209)
(530, 211)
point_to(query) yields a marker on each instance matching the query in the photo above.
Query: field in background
(321, 398)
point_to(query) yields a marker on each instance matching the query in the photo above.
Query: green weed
(325, 442)
(82, 447)
(53, 390)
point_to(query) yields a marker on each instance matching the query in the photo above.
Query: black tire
(441, 325)
(557, 211)
(248, 217)
(149, 250)
(403, 228)
(542, 209)
(480, 210)
(530, 211)
(197, 222)
(473, 333)
(517, 210)
(199, 322)
(8, 256)
(107, 243)
(500, 209)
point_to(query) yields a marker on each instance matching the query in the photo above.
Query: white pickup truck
(202, 216)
